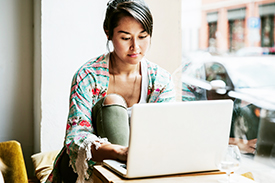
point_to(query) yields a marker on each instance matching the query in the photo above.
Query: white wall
(166, 41)
(68, 34)
(71, 33)
(16, 73)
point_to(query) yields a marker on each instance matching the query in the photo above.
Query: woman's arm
(109, 151)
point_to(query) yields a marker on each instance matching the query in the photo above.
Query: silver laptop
(175, 138)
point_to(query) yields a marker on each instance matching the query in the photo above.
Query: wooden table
(104, 175)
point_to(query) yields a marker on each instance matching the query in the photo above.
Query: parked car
(248, 81)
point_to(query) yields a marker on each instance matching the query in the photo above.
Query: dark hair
(118, 9)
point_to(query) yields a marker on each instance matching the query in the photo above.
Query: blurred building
(229, 25)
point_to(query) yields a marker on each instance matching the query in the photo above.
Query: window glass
(236, 46)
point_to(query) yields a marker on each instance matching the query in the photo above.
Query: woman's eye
(142, 37)
(125, 38)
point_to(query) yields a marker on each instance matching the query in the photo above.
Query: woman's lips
(134, 55)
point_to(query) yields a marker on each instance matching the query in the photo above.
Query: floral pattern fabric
(90, 84)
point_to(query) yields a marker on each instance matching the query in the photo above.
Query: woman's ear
(107, 34)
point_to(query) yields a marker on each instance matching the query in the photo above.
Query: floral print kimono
(89, 85)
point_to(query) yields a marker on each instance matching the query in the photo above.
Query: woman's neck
(125, 80)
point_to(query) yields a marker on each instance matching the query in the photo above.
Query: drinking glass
(228, 161)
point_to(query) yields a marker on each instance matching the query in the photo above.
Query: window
(267, 31)
(239, 36)
(236, 34)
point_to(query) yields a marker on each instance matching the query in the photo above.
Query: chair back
(12, 156)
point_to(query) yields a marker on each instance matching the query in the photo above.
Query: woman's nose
(134, 45)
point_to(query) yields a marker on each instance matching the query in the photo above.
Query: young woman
(104, 90)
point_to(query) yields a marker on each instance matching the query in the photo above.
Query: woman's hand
(109, 151)
(246, 146)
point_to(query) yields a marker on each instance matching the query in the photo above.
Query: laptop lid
(174, 138)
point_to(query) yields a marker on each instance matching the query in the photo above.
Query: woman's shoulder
(93, 65)
(96, 66)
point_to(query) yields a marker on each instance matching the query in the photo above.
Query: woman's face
(130, 41)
